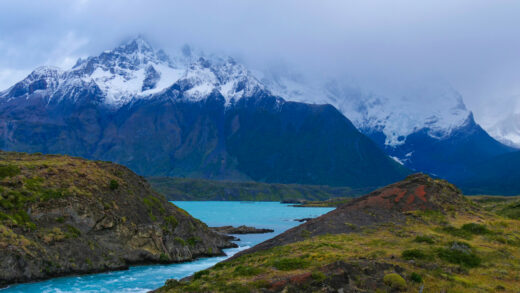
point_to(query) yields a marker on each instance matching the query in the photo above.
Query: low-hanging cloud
(473, 44)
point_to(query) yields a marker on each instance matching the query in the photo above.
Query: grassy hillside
(420, 235)
(61, 215)
(203, 189)
(505, 206)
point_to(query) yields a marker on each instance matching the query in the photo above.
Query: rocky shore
(241, 230)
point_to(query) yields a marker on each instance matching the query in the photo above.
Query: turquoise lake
(273, 215)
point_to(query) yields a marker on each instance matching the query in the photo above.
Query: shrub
(395, 282)
(180, 241)
(164, 258)
(200, 274)
(415, 254)
(192, 241)
(170, 222)
(475, 228)
(424, 239)
(457, 232)
(8, 171)
(113, 184)
(289, 264)
(415, 277)
(459, 253)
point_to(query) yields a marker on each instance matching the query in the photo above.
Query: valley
(249, 146)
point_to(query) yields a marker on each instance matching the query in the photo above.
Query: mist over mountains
(208, 116)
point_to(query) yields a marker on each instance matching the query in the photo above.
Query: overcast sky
(475, 45)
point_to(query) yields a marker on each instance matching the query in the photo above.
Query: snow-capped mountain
(188, 115)
(136, 71)
(423, 125)
(395, 112)
(507, 130)
(200, 116)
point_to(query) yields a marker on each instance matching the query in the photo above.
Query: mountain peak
(138, 44)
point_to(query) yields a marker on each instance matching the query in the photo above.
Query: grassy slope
(422, 250)
(61, 215)
(506, 206)
(498, 252)
(203, 189)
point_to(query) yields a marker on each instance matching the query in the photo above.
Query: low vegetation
(202, 189)
(479, 264)
(455, 246)
(506, 206)
(332, 202)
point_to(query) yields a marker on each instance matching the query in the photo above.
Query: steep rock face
(312, 144)
(61, 215)
(386, 205)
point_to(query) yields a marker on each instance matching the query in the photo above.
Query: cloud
(473, 44)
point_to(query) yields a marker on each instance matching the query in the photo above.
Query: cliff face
(62, 215)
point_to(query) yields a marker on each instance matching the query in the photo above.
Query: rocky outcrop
(241, 230)
(61, 215)
(389, 204)
(336, 277)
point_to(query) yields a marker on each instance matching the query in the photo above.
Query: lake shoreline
(146, 277)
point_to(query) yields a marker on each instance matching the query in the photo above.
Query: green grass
(428, 255)
(9, 170)
(424, 239)
(416, 254)
(290, 264)
(476, 229)
(247, 271)
(463, 258)
(506, 206)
